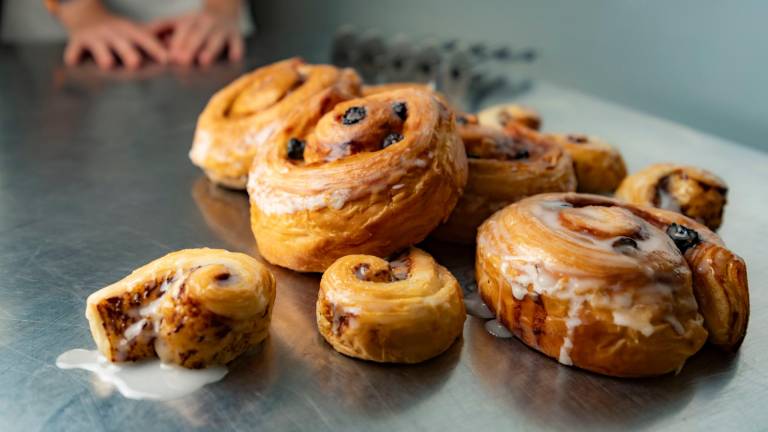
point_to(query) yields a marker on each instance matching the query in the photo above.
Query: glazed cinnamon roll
(599, 166)
(504, 166)
(372, 176)
(245, 114)
(194, 308)
(405, 310)
(610, 287)
(692, 191)
(500, 116)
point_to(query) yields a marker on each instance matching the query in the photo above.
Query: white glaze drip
(149, 379)
(495, 328)
(476, 307)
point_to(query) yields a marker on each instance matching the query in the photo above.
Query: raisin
(522, 154)
(578, 139)
(400, 110)
(296, 149)
(353, 115)
(684, 237)
(625, 243)
(391, 139)
(222, 276)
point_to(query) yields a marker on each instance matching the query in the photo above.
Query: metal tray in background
(95, 181)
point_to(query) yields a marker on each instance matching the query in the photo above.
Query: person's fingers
(126, 51)
(73, 52)
(213, 47)
(194, 41)
(161, 26)
(184, 27)
(100, 52)
(236, 47)
(148, 42)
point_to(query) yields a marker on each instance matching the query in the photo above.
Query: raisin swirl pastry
(504, 166)
(692, 191)
(405, 310)
(245, 114)
(599, 166)
(195, 308)
(372, 176)
(608, 286)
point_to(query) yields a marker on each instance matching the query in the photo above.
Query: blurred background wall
(703, 63)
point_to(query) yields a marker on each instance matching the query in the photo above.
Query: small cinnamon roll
(504, 166)
(245, 114)
(689, 190)
(195, 308)
(405, 310)
(599, 166)
(371, 176)
(500, 116)
(610, 287)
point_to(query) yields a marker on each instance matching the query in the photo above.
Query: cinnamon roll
(599, 166)
(504, 166)
(194, 308)
(372, 176)
(405, 310)
(245, 114)
(610, 287)
(689, 190)
(500, 116)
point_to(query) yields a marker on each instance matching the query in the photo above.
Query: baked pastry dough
(500, 116)
(405, 310)
(599, 166)
(245, 114)
(372, 176)
(194, 308)
(609, 286)
(692, 191)
(504, 166)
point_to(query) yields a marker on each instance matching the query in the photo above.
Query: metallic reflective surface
(95, 181)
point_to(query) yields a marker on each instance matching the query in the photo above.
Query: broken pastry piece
(688, 190)
(195, 308)
(407, 309)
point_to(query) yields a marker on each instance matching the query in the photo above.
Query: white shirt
(29, 19)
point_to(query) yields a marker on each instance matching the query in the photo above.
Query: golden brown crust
(242, 116)
(504, 166)
(689, 190)
(601, 285)
(500, 116)
(369, 181)
(194, 308)
(599, 166)
(406, 310)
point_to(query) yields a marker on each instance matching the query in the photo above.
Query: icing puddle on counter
(148, 379)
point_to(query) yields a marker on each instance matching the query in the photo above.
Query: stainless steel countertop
(95, 181)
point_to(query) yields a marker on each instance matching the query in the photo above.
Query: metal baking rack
(466, 72)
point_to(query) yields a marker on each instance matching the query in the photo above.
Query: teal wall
(701, 63)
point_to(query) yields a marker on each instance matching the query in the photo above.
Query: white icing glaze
(149, 379)
(497, 329)
(632, 309)
(476, 307)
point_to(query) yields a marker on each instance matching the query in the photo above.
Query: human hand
(93, 29)
(202, 36)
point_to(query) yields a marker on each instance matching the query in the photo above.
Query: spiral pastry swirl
(610, 287)
(372, 176)
(245, 114)
(505, 165)
(689, 190)
(194, 308)
(599, 166)
(405, 310)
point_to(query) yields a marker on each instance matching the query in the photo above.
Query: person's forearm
(223, 7)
